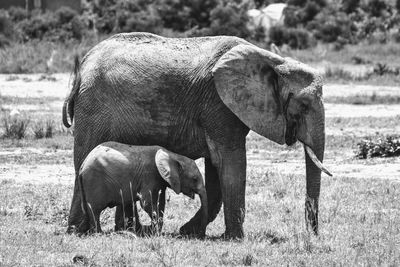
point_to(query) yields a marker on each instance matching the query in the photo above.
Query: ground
(359, 205)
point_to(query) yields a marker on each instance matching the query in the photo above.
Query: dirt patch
(339, 167)
(346, 90)
(353, 111)
(37, 174)
(30, 85)
(346, 166)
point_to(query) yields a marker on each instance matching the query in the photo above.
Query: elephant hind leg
(94, 219)
(84, 226)
(214, 196)
(76, 215)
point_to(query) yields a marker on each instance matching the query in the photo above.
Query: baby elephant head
(183, 175)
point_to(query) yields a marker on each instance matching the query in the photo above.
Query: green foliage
(338, 22)
(383, 147)
(332, 25)
(227, 18)
(180, 15)
(295, 37)
(350, 6)
(6, 29)
(18, 14)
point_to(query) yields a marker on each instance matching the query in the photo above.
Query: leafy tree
(181, 15)
(227, 18)
(350, 6)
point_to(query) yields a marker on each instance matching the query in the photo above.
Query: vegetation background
(29, 40)
(355, 41)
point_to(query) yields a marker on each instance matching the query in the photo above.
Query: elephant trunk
(314, 156)
(204, 210)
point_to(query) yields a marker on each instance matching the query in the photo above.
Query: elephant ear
(248, 85)
(168, 169)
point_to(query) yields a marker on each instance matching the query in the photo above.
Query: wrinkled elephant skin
(198, 97)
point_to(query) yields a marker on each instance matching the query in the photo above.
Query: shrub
(17, 14)
(38, 26)
(295, 38)
(300, 12)
(38, 131)
(332, 25)
(227, 18)
(6, 25)
(4, 41)
(383, 147)
(376, 7)
(181, 15)
(64, 15)
(350, 6)
(44, 130)
(15, 127)
(146, 20)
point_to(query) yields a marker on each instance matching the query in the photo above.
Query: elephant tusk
(316, 161)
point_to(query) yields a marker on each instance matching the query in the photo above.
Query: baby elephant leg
(155, 209)
(95, 221)
(124, 217)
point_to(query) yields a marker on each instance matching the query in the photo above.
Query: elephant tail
(68, 107)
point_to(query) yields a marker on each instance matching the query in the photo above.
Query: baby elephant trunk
(204, 209)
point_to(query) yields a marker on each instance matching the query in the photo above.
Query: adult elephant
(198, 97)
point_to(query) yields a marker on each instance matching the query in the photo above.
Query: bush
(376, 7)
(182, 15)
(15, 127)
(64, 15)
(17, 14)
(44, 131)
(6, 25)
(38, 26)
(350, 6)
(332, 25)
(228, 18)
(386, 147)
(146, 20)
(300, 12)
(4, 41)
(295, 38)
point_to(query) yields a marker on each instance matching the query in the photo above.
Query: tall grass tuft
(44, 130)
(15, 127)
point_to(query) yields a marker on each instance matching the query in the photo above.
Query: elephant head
(183, 175)
(281, 99)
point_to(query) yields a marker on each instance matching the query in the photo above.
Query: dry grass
(358, 217)
(34, 220)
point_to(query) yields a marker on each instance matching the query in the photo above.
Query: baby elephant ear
(168, 169)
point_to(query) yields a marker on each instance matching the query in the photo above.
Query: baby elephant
(115, 174)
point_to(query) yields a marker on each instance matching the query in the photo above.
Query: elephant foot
(72, 229)
(233, 235)
(192, 229)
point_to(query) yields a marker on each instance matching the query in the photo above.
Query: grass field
(359, 206)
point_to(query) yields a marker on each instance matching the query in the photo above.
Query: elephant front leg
(155, 209)
(232, 172)
(214, 196)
